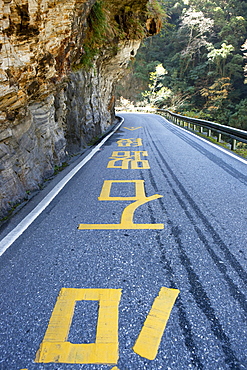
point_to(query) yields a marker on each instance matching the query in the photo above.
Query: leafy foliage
(105, 28)
(96, 34)
(202, 48)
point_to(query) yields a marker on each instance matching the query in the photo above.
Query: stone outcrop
(59, 61)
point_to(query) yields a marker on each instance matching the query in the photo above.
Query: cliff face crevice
(59, 61)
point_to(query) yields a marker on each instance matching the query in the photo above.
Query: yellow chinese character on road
(126, 222)
(126, 159)
(148, 341)
(56, 347)
(130, 142)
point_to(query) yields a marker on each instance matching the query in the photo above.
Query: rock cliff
(58, 64)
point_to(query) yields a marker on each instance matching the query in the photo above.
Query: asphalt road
(163, 208)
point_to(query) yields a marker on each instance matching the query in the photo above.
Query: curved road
(148, 244)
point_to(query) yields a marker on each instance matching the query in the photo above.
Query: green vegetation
(105, 28)
(58, 169)
(96, 34)
(241, 150)
(195, 66)
(10, 212)
(93, 141)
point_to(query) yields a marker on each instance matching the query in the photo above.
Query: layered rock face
(58, 63)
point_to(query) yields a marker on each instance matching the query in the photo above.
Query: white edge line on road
(11, 237)
(209, 142)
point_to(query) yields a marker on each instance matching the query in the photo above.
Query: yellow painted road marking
(130, 142)
(126, 222)
(115, 368)
(106, 190)
(148, 341)
(125, 158)
(132, 128)
(56, 348)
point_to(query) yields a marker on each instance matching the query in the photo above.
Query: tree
(239, 118)
(201, 51)
(196, 27)
(157, 93)
(244, 48)
(219, 56)
(216, 93)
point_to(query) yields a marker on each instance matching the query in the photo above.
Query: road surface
(140, 262)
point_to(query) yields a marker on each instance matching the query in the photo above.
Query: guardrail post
(234, 133)
(233, 145)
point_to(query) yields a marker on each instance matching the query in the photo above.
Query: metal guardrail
(232, 132)
(192, 123)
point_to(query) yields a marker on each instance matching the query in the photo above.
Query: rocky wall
(51, 104)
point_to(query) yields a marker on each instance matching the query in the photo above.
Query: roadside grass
(241, 149)
(221, 143)
(10, 212)
(242, 152)
(58, 169)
